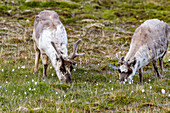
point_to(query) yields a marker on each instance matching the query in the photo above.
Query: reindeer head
(126, 68)
(64, 63)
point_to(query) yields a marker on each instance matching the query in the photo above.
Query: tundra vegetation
(105, 27)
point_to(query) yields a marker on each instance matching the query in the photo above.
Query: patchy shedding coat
(149, 43)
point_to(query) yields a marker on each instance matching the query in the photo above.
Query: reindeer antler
(121, 60)
(74, 54)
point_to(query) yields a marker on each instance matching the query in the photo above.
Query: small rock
(88, 20)
(95, 25)
(106, 93)
(36, 109)
(22, 109)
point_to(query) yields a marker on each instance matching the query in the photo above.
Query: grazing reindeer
(50, 40)
(149, 43)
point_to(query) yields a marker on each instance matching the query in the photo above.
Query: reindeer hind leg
(161, 66)
(156, 68)
(44, 58)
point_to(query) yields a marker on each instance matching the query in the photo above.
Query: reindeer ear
(132, 62)
(37, 18)
(122, 59)
(119, 71)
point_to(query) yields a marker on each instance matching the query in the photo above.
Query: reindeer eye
(57, 59)
(129, 71)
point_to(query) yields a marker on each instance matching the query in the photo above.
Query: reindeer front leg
(44, 58)
(141, 75)
(37, 57)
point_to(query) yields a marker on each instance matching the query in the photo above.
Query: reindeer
(50, 41)
(149, 43)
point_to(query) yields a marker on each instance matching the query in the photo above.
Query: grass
(95, 86)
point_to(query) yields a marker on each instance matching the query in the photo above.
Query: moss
(68, 21)
(51, 4)
(76, 0)
(60, 86)
(109, 14)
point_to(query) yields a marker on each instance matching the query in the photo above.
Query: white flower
(35, 83)
(25, 57)
(64, 95)
(112, 89)
(143, 90)
(6, 90)
(85, 82)
(59, 97)
(72, 101)
(150, 87)
(25, 75)
(130, 82)
(56, 93)
(143, 97)
(124, 82)
(25, 93)
(29, 88)
(26, 97)
(28, 82)
(163, 91)
(110, 81)
(32, 80)
(98, 64)
(6, 82)
(23, 67)
(18, 67)
(34, 89)
(35, 93)
(44, 80)
(14, 91)
(97, 84)
(52, 74)
(74, 69)
(168, 95)
(131, 91)
(2, 70)
(0, 86)
(13, 70)
(149, 80)
(50, 67)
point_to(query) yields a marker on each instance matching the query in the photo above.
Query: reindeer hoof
(36, 71)
(162, 77)
(44, 76)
